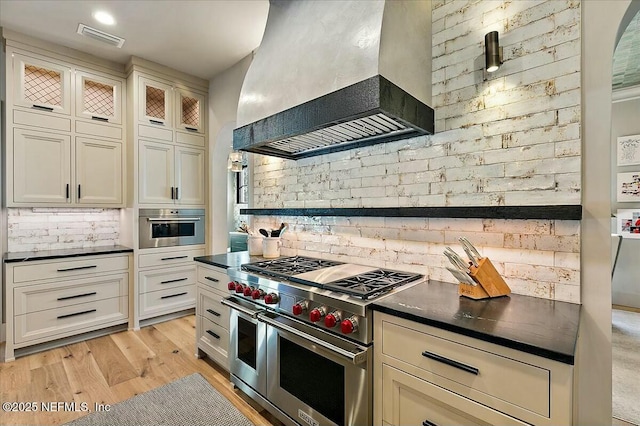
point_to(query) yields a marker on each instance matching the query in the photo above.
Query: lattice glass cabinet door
(41, 85)
(155, 102)
(98, 98)
(189, 111)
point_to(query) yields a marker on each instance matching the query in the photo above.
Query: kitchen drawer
(408, 401)
(168, 258)
(155, 132)
(40, 297)
(498, 378)
(45, 121)
(190, 139)
(41, 326)
(208, 305)
(95, 129)
(52, 270)
(166, 301)
(214, 340)
(161, 279)
(213, 278)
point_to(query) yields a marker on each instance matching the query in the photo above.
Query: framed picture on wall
(629, 223)
(629, 150)
(628, 189)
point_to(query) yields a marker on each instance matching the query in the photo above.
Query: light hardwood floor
(113, 368)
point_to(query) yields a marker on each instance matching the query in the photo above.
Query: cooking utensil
(470, 255)
(467, 243)
(456, 259)
(461, 276)
(264, 232)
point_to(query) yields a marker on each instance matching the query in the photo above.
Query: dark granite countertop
(541, 327)
(229, 260)
(27, 256)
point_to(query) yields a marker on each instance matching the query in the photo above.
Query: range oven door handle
(355, 358)
(239, 308)
(173, 219)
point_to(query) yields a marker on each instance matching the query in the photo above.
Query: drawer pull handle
(428, 423)
(212, 312)
(173, 281)
(213, 334)
(78, 295)
(173, 295)
(215, 280)
(42, 108)
(77, 268)
(191, 129)
(105, 120)
(174, 257)
(77, 313)
(159, 123)
(451, 362)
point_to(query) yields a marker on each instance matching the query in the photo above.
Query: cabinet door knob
(428, 423)
(67, 192)
(79, 191)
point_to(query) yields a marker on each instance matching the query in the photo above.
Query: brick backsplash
(509, 138)
(50, 229)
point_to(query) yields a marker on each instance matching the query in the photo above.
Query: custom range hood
(336, 75)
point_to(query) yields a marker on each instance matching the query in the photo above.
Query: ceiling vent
(95, 34)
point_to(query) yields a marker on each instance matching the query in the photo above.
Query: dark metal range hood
(331, 76)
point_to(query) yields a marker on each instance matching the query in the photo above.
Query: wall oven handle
(173, 219)
(239, 308)
(355, 358)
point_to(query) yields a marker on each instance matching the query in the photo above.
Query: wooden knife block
(490, 282)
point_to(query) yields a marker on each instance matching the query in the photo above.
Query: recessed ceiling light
(104, 18)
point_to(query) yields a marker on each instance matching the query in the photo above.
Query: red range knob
(239, 288)
(332, 319)
(232, 285)
(247, 291)
(256, 294)
(316, 314)
(271, 299)
(297, 309)
(349, 325)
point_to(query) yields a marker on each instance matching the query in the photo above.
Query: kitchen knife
(467, 243)
(470, 255)
(461, 276)
(458, 261)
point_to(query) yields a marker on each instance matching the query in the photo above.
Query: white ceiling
(199, 37)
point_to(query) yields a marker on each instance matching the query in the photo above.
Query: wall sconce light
(492, 52)
(235, 161)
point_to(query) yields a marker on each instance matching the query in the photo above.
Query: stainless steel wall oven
(171, 227)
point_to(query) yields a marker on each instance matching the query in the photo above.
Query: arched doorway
(602, 25)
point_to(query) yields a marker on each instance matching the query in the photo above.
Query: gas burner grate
(371, 284)
(288, 266)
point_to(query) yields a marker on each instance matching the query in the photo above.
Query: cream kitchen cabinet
(189, 107)
(166, 283)
(155, 102)
(170, 174)
(65, 139)
(52, 299)
(425, 375)
(41, 84)
(43, 173)
(212, 317)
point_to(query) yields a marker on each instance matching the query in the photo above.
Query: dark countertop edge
(557, 212)
(28, 256)
(513, 344)
(208, 261)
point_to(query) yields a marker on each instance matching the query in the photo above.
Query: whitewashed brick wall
(51, 229)
(510, 139)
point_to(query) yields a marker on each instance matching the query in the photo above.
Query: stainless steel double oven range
(301, 336)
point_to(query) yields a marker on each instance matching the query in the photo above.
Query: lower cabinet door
(410, 401)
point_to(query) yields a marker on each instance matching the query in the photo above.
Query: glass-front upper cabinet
(41, 84)
(189, 111)
(155, 102)
(98, 98)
